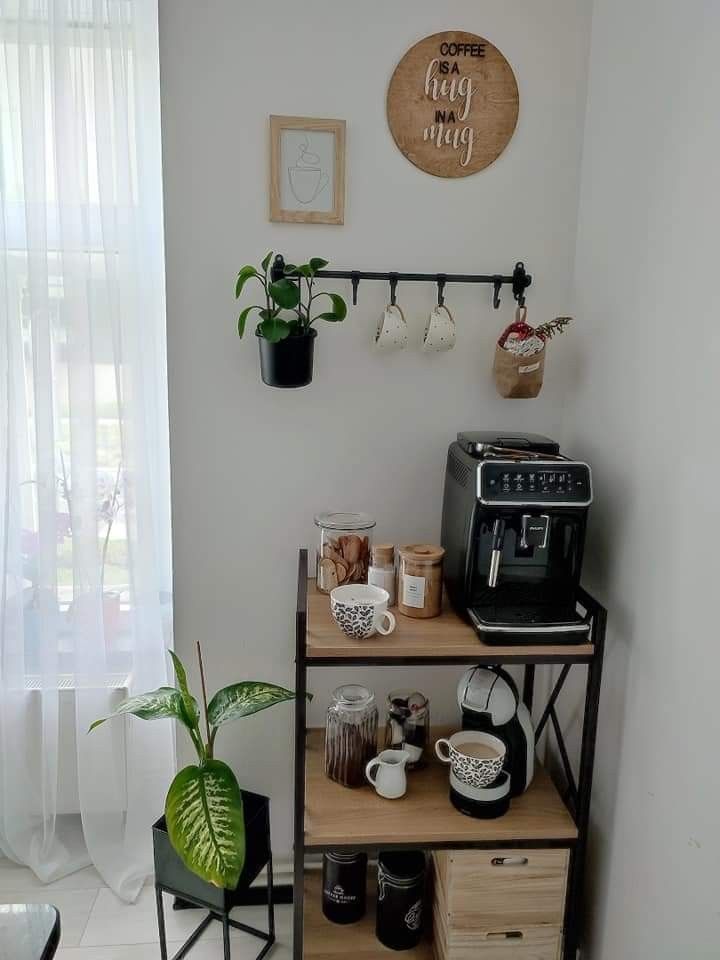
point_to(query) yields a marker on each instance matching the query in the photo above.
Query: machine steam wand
(498, 538)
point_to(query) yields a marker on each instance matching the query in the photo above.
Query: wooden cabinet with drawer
(502, 904)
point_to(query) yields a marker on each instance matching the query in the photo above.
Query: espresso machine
(513, 528)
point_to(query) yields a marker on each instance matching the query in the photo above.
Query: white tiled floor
(98, 926)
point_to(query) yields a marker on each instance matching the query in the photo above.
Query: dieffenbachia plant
(203, 808)
(293, 292)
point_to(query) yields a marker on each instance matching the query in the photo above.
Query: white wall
(644, 413)
(252, 465)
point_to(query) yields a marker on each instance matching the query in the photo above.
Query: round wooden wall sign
(452, 104)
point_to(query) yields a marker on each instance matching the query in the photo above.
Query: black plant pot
(289, 362)
(173, 876)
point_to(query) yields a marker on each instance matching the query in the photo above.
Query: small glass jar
(344, 886)
(344, 552)
(408, 725)
(350, 734)
(381, 572)
(401, 892)
(420, 570)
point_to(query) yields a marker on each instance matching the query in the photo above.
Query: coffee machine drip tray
(529, 624)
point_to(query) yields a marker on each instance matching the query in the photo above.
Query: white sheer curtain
(84, 475)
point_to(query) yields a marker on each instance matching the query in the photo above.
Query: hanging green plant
(291, 307)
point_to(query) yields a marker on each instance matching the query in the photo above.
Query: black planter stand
(173, 877)
(289, 362)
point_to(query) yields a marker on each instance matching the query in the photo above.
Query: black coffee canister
(401, 891)
(344, 882)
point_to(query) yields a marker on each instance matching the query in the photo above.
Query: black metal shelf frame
(519, 279)
(576, 793)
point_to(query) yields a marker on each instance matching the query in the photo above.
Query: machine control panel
(535, 481)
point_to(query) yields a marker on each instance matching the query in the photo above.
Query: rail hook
(277, 270)
(441, 281)
(520, 282)
(393, 288)
(497, 284)
(355, 281)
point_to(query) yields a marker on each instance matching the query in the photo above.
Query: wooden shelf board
(445, 637)
(340, 816)
(331, 941)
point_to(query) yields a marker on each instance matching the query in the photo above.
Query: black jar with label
(344, 884)
(401, 892)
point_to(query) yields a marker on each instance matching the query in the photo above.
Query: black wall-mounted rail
(519, 280)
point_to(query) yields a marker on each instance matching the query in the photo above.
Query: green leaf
(290, 269)
(204, 817)
(242, 699)
(273, 328)
(339, 310)
(317, 263)
(155, 705)
(305, 270)
(243, 317)
(266, 262)
(296, 327)
(285, 293)
(245, 274)
(190, 707)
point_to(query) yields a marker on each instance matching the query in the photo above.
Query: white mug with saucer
(392, 331)
(439, 330)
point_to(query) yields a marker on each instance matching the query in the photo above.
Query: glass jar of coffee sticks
(350, 734)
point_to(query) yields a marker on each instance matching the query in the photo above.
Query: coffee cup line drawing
(307, 178)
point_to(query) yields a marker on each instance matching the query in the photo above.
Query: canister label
(413, 591)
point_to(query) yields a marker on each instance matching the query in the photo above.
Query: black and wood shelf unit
(327, 816)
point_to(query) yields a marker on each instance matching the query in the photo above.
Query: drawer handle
(505, 935)
(509, 861)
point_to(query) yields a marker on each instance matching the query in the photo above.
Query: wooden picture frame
(307, 170)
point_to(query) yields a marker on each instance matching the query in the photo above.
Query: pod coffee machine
(513, 528)
(489, 701)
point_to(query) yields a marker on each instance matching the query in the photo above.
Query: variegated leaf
(163, 702)
(242, 699)
(204, 817)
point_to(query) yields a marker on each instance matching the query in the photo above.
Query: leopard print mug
(360, 610)
(480, 760)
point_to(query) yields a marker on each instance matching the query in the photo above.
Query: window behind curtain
(79, 59)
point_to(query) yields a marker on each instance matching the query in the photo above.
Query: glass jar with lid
(420, 575)
(381, 572)
(344, 552)
(350, 734)
(407, 725)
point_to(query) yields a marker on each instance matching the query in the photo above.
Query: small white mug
(387, 773)
(392, 330)
(439, 330)
(361, 610)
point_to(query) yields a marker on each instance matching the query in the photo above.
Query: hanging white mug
(387, 773)
(439, 330)
(392, 331)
